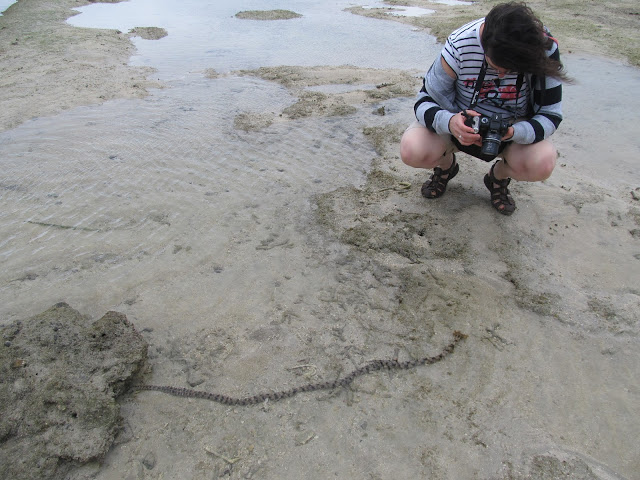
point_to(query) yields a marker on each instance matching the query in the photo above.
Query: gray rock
(59, 381)
(149, 460)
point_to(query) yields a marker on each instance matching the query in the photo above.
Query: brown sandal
(500, 196)
(437, 185)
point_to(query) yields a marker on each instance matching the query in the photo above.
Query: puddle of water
(402, 11)
(4, 4)
(205, 35)
(405, 11)
(411, 11)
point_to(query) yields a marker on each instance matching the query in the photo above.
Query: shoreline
(50, 66)
(603, 29)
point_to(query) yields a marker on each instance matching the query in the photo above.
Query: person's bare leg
(532, 163)
(421, 148)
(529, 163)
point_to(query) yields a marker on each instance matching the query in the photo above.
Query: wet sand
(49, 66)
(291, 271)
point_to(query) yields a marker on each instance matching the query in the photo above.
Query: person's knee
(412, 156)
(406, 152)
(533, 163)
(415, 153)
(546, 162)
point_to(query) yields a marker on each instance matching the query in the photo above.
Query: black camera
(491, 128)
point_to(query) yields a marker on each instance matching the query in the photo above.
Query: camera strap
(480, 82)
(478, 85)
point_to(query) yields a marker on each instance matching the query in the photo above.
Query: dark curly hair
(514, 38)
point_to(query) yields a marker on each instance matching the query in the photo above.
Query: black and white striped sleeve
(434, 103)
(547, 107)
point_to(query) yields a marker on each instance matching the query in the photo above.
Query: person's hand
(509, 135)
(463, 133)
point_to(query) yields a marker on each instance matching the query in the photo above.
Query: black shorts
(474, 150)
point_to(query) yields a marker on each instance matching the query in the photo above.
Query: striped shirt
(538, 101)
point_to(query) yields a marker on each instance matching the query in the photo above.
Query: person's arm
(434, 105)
(547, 107)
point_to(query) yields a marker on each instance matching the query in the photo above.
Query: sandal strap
(500, 195)
(502, 184)
(438, 184)
(440, 171)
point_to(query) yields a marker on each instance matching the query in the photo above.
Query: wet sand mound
(267, 15)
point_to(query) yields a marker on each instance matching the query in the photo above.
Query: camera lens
(491, 144)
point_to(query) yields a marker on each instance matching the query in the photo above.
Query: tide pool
(4, 4)
(204, 35)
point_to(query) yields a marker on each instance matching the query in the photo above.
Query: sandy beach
(258, 229)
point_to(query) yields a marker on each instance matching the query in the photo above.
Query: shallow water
(4, 4)
(103, 195)
(207, 35)
(98, 203)
(406, 11)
